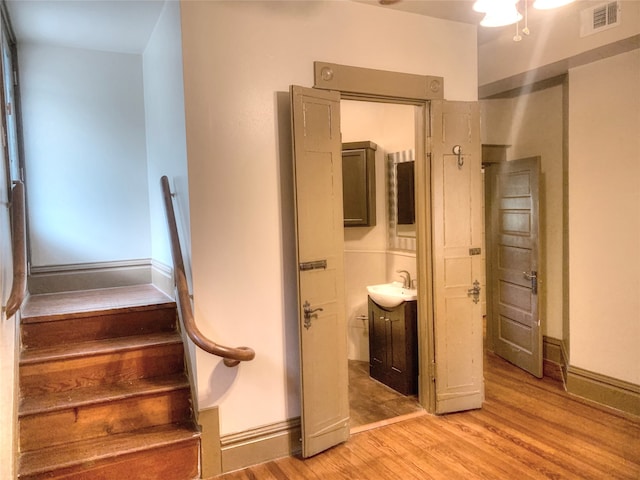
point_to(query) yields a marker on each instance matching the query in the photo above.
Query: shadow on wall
(291, 352)
(220, 381)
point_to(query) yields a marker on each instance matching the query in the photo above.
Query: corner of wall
(210, 455)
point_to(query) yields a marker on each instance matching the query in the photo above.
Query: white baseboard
(162, 278)
(88, 276)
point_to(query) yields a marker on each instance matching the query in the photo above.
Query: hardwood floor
(527, 429)
(371, 402)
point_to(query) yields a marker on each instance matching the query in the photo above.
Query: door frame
(355, 83)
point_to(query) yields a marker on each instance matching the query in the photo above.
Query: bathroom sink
(391, 295)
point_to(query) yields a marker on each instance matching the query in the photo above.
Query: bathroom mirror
(405, 199)
(401, 200)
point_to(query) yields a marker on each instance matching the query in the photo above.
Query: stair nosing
(137, 388)
(190, 432)
(34, 356)
(56, 317)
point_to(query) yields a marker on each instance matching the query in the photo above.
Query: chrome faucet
(406, 283)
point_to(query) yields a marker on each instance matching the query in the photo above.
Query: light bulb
(501, 18)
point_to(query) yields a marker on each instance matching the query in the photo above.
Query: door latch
(475, 291)
(533, 276)
(308, 313)
(457, 150)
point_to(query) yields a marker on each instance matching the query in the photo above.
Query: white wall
(8, 361)
(84, 152)
(604, 216)
(554, 38)
(532, 124)
(165, 131)
(240, 58)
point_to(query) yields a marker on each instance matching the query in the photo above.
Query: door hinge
(432, 371)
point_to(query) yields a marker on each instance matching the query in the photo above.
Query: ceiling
(118, 26)
(126, 25)
(456, 10)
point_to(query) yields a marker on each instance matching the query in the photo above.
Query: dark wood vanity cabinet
(359, 183)
(393, 346)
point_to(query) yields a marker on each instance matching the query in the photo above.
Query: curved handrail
(19, 244)
(231, 356)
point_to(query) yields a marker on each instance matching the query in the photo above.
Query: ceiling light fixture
(499, 13)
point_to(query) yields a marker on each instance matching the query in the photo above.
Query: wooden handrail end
(231, 356)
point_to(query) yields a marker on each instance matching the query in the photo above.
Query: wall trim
(87, 276)
(162, 278)
(262, 444)
(609, 391)
(554, 358)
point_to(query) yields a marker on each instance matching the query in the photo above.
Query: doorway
(377, 253)
(449, 235)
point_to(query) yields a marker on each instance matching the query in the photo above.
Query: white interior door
(458, 270)
(317, 150)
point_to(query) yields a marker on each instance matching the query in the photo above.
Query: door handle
(533, 276)
(308, 313)
(475, 291)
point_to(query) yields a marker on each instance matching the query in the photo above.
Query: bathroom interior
(379, 250)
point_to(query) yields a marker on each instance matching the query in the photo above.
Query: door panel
(513, 229)
(457, 239)
(320, 238)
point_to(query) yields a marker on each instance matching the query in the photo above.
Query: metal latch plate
(315, 265)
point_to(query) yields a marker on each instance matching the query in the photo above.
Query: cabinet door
(397, 348)
(359, 184)
(377, 342)
(403, 349)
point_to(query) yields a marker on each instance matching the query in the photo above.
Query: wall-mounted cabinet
(393, 346)
(359, 183)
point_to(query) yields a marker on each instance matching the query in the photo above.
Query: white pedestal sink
(389, 295)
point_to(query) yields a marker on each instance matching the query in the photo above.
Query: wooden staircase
(103, 389)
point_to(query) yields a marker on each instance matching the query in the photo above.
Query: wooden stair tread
(68, 455)
(53, 306)
(93, 348)
(55, 401)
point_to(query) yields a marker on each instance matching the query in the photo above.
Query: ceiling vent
(599, 18)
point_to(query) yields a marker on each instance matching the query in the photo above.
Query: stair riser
(93, 421)
(175, 462)
(68, 374)
(96, 327)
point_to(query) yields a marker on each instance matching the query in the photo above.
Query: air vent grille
(599, 18)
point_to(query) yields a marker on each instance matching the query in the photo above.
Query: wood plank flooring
(371, 402)
(527, 429)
